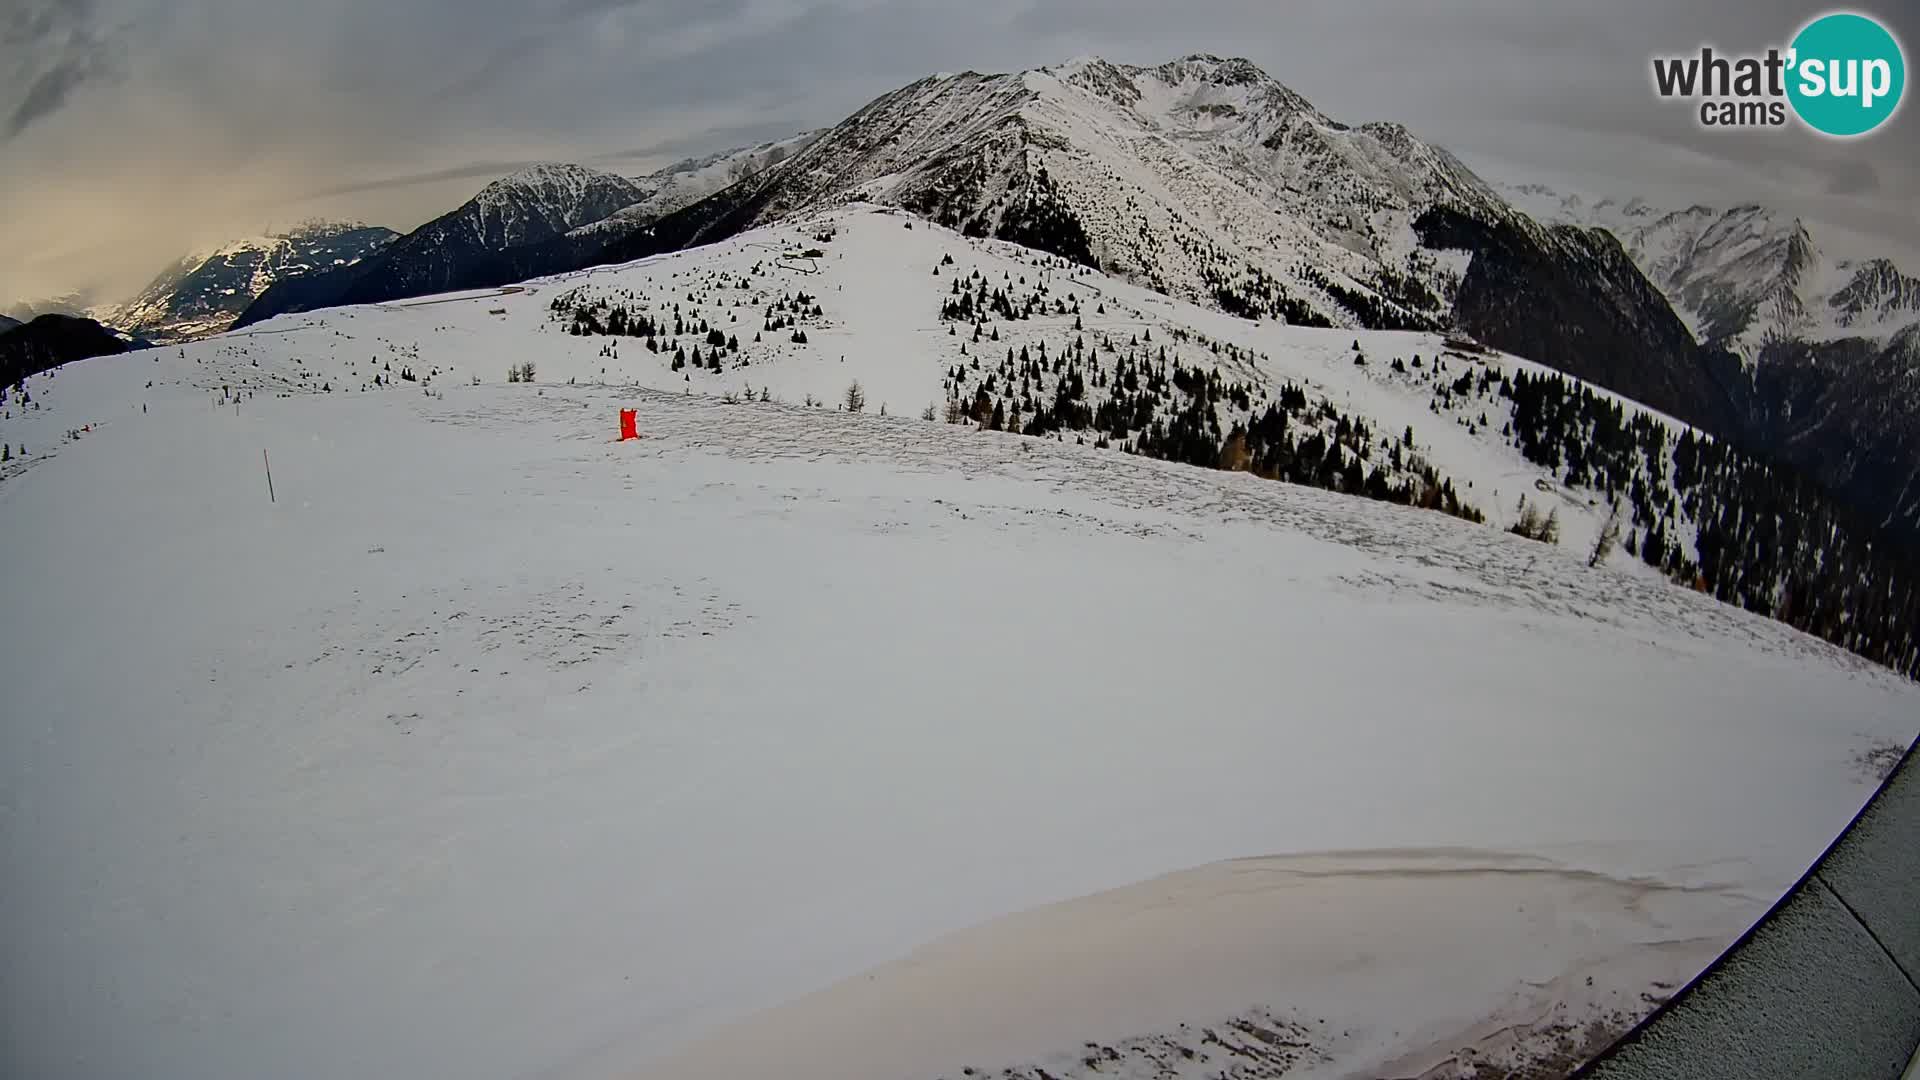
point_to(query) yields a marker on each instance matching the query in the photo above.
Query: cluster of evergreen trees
(1255, 294)
(1717, 519)
(617, 323)
(1030, 213)
(1408, 292)
(1041, 219)
(972, 299)
(585, 314)
(406, 375)
(1373, 312)
(1142, 400)
(786, 312)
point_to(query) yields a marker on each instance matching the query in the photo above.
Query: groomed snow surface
(782, 741)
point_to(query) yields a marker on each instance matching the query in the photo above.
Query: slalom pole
(269, 467)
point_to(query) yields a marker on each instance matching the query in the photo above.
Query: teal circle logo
(1847, 74)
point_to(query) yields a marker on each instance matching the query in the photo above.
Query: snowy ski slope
(495, 748)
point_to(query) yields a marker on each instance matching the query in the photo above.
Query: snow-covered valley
(493, 747)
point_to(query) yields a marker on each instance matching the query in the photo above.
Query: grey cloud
(664, 13)
(525, 48)
(1853, 178)
(706, 142)
(52, 89)
(32, 24)
(488, 169)
(494, 69)
(837, 58)
(62, 42)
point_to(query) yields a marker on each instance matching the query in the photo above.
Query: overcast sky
(132, 131)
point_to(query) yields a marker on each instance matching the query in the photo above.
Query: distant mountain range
(1745, 277)
(568, 208)
(1825, 351)
(1207, 180)
(536, 204)
(1203, 178)
(203, 293)
(688, 181)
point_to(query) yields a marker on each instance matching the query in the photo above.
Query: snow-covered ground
(495, 748)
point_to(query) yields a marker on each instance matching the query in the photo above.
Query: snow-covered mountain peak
(1072, 65)
(689, 180)
(534, 204)
(546, 174)
(269, 239)
(320, 227)
(1200, 93)
(205, 291)
(1206, 67)
(1877, 292)
(1193, 67)
(550, 179)
(1201, 176)
(1090, 73)
(568, 195)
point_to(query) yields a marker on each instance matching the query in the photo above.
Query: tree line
(1712, 517)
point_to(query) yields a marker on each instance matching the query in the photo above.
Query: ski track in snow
(497, 748)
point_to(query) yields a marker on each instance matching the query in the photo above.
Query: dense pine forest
(1137, 398)
(1170, 401)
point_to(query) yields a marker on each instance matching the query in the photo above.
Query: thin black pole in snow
(269, 466)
